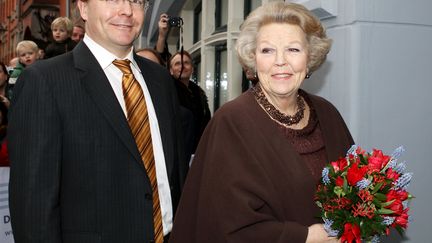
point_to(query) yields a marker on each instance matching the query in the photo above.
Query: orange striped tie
(138, 122)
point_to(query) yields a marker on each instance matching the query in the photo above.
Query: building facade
(209, 32)
(29, 20)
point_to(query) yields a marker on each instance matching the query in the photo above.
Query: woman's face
(176, 67)
(281, 59)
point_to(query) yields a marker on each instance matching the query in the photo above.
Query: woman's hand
(316, 234)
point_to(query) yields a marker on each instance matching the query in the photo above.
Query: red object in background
(4, 155)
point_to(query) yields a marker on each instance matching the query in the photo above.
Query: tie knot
(123, 65)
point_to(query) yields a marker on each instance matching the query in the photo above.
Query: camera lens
(175, 21)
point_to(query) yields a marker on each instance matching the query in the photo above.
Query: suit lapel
(98, 88)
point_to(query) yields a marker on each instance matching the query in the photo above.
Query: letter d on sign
(6, 219)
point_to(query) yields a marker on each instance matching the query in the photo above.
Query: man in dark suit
(77, 173)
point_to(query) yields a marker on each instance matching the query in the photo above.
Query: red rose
(355, 174)
(396, 207)
(402, 220)
(399, 195)
(351, 232)
(403, 195)
(392, 194)
(377, 160)
(339, 181)
(339, 164)
(391, 174)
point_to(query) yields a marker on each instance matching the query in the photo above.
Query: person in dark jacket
(61, 28)
(190, 94)
(94, 139)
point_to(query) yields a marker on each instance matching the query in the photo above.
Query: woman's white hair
(289, 13)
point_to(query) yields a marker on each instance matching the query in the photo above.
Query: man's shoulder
(58, 67)
(60, 61)
(153, 70)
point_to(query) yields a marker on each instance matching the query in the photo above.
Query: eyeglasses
(137, 4)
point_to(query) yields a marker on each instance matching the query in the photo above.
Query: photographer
(161, 44)
(164, 25)
(190, 94)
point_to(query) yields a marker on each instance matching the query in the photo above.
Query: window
(221, 82)
(221, 15)
(250, 5)
(197, 69)
(197, 23)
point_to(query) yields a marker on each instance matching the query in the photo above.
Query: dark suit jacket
(76, 174)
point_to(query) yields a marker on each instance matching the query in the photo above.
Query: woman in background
(258, 163)
(4, 104)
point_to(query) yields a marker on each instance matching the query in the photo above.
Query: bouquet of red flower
(363, 195)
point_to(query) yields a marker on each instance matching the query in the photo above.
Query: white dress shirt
(114, 75)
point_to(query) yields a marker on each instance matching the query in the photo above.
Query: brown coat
(247, 184)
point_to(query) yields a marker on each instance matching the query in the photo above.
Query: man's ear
(82, 6)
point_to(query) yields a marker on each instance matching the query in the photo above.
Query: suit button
(148, 196)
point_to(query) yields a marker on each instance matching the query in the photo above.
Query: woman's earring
(308, 74)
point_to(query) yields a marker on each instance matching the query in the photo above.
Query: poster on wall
(5, 225)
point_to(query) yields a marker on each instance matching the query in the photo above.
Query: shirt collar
(103, 56)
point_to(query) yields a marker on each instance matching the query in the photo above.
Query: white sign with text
(5, 224)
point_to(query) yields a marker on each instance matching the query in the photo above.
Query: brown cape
(247, 184)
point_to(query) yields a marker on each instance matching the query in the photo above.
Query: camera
(175, 21)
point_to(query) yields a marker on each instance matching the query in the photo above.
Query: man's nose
(125, 7)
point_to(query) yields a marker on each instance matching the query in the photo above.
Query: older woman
(257, 165)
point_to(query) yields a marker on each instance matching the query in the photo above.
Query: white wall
(378, 75)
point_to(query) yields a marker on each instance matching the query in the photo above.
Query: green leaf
(385, 204)
(399, 229)
(377, 187)
(377, 202)
(338, 191)
(345, 184)
(380, 197)
(385, 211)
